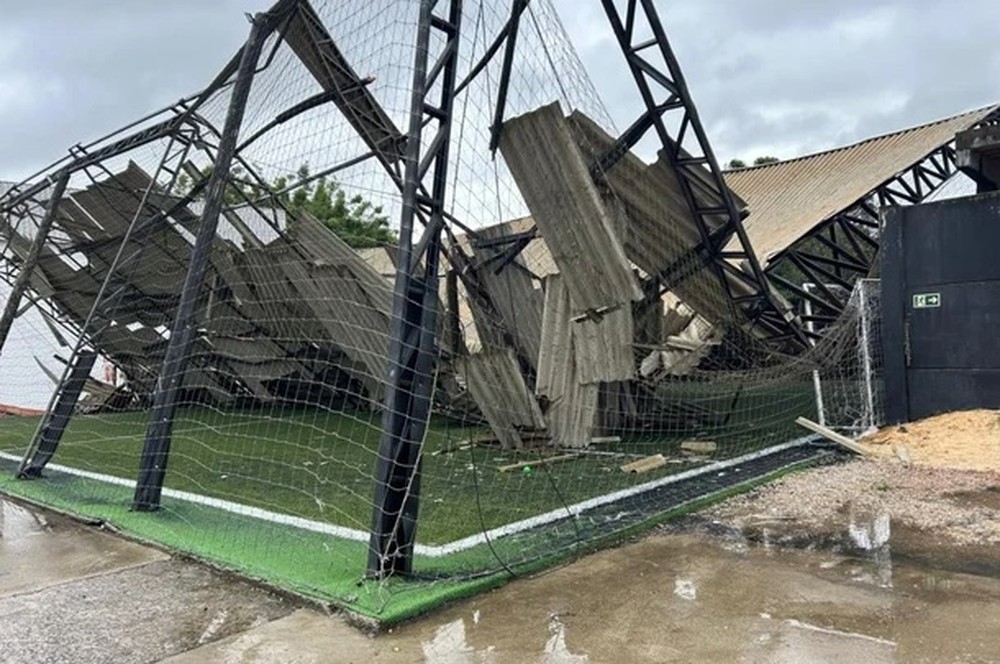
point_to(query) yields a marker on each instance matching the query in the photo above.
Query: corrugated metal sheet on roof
(787, 199)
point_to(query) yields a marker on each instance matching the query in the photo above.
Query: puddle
(38, 551)
(667, 598)
(684, 598)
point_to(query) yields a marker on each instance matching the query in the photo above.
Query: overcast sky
(782, 77)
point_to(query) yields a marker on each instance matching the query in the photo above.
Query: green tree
(734, 164)
(354, 219)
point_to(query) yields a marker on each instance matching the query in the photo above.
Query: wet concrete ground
(69, 593)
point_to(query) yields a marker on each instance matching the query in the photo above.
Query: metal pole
(412, 343)
(156, 448)
(46, 440)
(817, 383)
(866, 357)
(62, 403)
(31, 261)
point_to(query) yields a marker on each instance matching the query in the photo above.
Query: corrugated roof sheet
(498, 388)
(555, 181)
(572, 405)
(787, 199)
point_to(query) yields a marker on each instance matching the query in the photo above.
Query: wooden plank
(545, 461)
(833, 436)
(699, 446)
(645, 465)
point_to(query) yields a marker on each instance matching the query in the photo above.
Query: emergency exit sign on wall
(927, 300)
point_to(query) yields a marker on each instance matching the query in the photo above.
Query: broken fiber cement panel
(554, 179)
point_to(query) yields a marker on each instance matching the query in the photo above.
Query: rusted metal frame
(412, 339)
(690, 167)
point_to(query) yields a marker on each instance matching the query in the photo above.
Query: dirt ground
(968, 440)
(929, 489)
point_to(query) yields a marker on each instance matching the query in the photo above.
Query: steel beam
(412, 341)
(58, 415)
(46, 440)
(156, 448)
(685, 144)
(851, 237)
(13, 304)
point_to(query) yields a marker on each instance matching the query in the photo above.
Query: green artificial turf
(313, 564)
(318, 465)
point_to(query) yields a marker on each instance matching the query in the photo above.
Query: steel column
(31, 260)
(47, 436)
(156, 448)
(412, 342)
(58, 415)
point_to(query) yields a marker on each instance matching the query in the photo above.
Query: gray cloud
(781, 77)
(787, 77)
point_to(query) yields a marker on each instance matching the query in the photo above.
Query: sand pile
(968, 440)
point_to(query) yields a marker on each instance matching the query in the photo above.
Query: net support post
(156, 446)
(413, 334)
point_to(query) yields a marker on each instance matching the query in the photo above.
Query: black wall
(945, 357)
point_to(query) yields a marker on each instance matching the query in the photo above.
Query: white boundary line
(435, 550)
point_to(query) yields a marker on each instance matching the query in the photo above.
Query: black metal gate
(941, 307)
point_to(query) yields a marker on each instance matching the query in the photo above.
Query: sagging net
(574, 399)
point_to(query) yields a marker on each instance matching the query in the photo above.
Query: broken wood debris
(833, 436)
(646, 464)
(699, 446)
(543, 461)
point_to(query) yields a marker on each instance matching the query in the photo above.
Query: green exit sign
(927, 300)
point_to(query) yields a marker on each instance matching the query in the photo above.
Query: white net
(574, 399)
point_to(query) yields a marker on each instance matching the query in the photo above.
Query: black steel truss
(844, 247)
(412, 339)
(671, 112)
